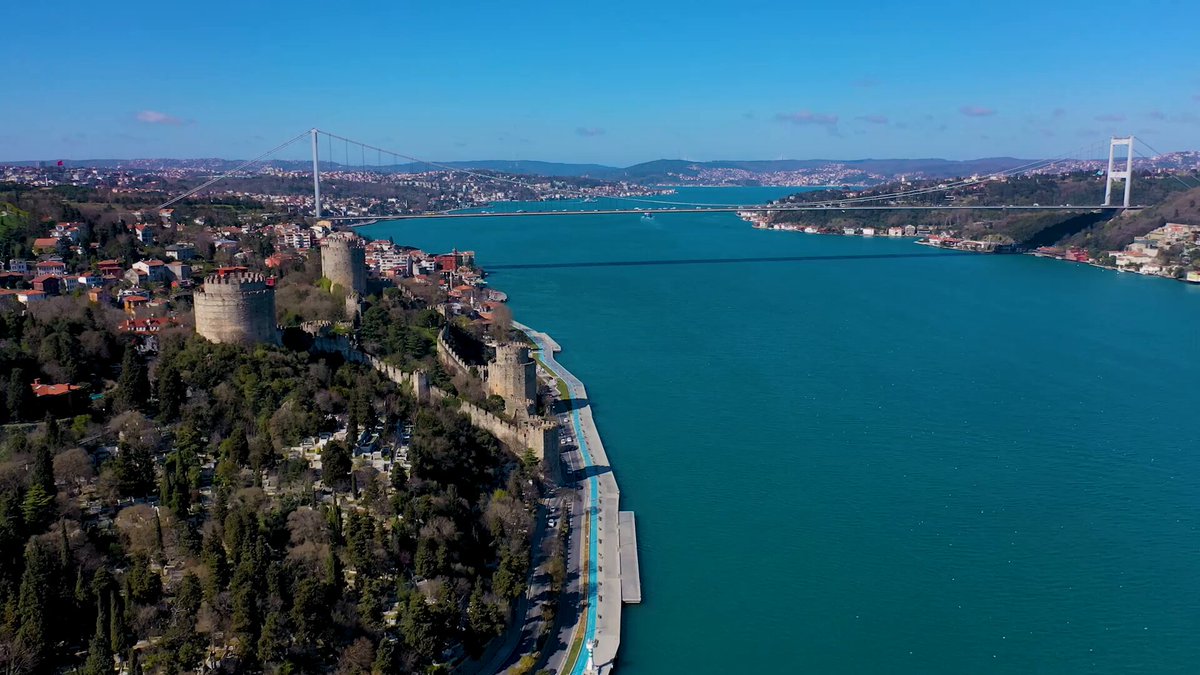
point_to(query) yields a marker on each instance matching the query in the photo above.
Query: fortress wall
(452, 360)
(541, 436)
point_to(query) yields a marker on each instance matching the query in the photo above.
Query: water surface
(865, 456)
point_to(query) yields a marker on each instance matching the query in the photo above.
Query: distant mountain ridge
(663, 171)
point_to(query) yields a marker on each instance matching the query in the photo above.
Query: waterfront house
(895, 232)
(849, 231)
(868, 232)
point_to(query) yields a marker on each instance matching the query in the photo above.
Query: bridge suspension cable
(236, 169)
(1173, 174)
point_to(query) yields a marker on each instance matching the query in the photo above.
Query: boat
(647, 216)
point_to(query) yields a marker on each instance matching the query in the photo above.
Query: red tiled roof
(40, 389)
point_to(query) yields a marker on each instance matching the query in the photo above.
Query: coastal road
(601, 590)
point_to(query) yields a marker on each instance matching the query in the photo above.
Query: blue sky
(615, 82)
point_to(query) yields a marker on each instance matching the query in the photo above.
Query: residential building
(181, 251)
(48, 284)
(143, 234)
(50, 267)
(20, 266)
(155, 270)
(48, 245)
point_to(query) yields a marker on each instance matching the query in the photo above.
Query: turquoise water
(867, 456)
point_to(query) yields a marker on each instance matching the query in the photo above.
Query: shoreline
(998, 249)
(601, 554)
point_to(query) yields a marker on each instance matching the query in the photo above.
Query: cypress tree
(133, 386)
(118, 632)
(19, 395)
(99, 658)
(33, 600)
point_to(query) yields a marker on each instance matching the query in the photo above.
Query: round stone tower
(344, 261)
(236, 307)
(513, 377)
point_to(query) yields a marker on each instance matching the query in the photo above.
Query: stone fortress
(513, 377)
(236, 307)
(344, 261)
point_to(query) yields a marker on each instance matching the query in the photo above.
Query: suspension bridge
(1119, 173)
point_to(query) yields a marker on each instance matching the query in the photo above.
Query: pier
(631, 576)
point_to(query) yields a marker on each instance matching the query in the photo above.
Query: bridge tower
(1115, 174)
(316, 175)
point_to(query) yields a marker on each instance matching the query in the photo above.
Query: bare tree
(74, 467)
(502, 322)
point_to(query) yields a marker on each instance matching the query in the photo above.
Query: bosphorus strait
(860, 455)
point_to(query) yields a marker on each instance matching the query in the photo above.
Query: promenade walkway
(601, 619)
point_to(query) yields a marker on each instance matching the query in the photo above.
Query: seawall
(601, 616)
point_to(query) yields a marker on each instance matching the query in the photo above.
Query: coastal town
(1170, 251)
(348, 192)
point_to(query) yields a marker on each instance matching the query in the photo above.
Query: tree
(19, 396)
(133, 385)
(135, 470)
(38, 508)
(335, 463)
(99, 658)
(33, 604)
(169, 388)
(118, 627)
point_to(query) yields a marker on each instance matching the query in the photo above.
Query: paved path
(602, 595)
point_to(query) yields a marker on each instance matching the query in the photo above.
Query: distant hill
(661, 171)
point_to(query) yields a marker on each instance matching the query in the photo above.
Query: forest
(168, 519)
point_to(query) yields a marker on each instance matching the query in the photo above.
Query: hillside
(1180, 207)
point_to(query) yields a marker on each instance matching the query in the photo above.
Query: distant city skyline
(616, 83)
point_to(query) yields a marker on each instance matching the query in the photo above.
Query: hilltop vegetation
(172, 520)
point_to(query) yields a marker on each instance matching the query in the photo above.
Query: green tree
(335, 464)
(37, 509)
(100, 657)
(19, 397)
(169, 388)
(133, 385)
(33, 604)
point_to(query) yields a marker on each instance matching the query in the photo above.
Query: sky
(614, 82)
